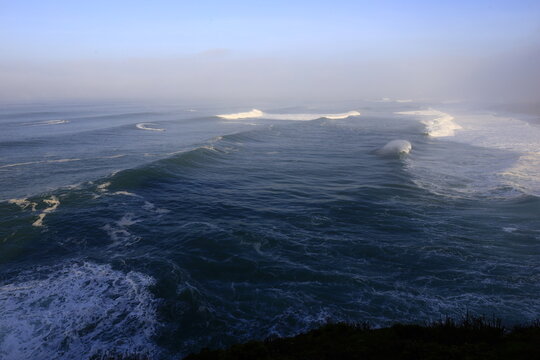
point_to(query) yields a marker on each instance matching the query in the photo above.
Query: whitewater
(290, 117)
(159, 231)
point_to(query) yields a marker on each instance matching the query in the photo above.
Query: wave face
(219, 231)
(292, 117)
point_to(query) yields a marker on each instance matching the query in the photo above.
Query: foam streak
(144, 126)
(53, 203)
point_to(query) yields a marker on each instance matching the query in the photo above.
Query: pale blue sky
(201, 49)
(70, 29)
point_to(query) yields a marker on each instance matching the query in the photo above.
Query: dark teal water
(212, 231)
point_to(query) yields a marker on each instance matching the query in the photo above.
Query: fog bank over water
(511, 76)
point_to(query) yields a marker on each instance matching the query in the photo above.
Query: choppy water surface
(163, 230)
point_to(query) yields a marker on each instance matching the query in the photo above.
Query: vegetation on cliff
(472, 338)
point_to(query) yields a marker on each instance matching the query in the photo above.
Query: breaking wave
(442, 125)
(242, 115)
(294, 117)
(395, 147)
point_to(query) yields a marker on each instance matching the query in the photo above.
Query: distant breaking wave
(395, 147)
(144, 126)
(50, 122)
(242, 115)
(442, 125)
(295, 117)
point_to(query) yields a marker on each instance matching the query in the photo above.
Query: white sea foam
(52, 122)
(75, 312)
(507, 134)
(340, 116)
(440, 125)
(294, 117)
(127, 220)
(120, 235)
(125, 193)
(113, 156)
(23, 203)
(21, 164)
(58, 161)
(517, 170)
(242, 115)
(144, 126)
(53, 203)
(39, 162)
(104, 186)
(151, 207)
(61, 160)
(525, 173)
(395, 147)
(119, 231)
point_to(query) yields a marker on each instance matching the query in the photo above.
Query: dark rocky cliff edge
(471, 338)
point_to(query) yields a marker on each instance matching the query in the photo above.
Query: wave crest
(242, 115)
(293, 117)
(395, 147)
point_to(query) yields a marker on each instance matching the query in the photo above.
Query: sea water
(162, 230)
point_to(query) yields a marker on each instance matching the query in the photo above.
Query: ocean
(164, 229)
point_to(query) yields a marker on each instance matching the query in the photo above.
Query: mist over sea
(165, 229)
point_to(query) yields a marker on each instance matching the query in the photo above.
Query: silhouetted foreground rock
(474, 338)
